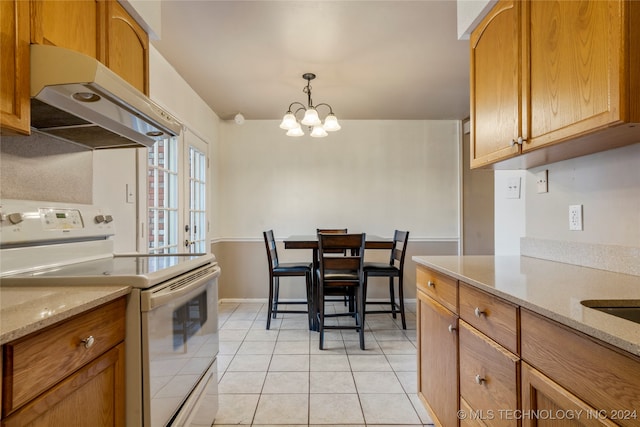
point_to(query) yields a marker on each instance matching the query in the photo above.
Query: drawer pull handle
(480, 380)
(431, 284)
(88, 342)
(478, 312)
(452, 328)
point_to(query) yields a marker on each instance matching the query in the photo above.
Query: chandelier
(311, 119)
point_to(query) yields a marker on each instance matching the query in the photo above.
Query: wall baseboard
(284, 301)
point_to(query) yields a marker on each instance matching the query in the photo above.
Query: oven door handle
(174, 289)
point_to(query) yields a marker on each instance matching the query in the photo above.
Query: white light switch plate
(542, 181)
(513, 188)
(131, 194)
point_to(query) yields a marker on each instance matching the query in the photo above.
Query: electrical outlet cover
(575, 217)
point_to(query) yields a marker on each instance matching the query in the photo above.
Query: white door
(174, 211)
(195, 202)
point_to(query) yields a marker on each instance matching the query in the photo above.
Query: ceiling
(396, 60)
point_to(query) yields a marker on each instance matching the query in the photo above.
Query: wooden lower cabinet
(547, 404)
(68, 374)
(489, 379)
(90, 397)
(591, 371)
(438, 360)
(556, 377)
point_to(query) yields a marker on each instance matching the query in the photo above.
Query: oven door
(179, 344)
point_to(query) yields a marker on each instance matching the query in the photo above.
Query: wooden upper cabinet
(126, 46)
(101, 29)
(496, 74)
(69, 24)
(15, 111)
(580, 68)
(564, 76)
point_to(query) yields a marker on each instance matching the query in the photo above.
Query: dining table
(310, 241)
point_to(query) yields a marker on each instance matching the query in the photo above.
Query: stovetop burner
(50, 244)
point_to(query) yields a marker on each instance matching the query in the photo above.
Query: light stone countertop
(551, 289)
(27, 309)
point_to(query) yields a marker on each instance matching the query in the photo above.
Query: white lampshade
(331, 123)
(296, 131)
(289, 121)
(318, 132)
(311, 118)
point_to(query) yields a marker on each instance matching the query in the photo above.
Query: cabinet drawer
(43, 359)
(489, 376)
(491, 315)
(604, 378)
(441, 288)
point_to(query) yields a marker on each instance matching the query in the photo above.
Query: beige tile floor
(280, 377)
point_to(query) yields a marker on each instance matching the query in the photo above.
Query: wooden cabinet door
(126, 46)
(543, 396)
(14, 68)
(69, 24)
(489, 378)
(92, 396)
(438, 360)
(576, 66)
(496, 76)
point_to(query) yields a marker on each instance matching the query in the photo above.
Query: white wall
(470, 13)
(509, 214)
(607, 184)
(113, 171)
(372, 176)
(168, 89)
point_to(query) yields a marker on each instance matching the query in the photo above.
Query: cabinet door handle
(88, 342)
(431, 284)
(478, 312)
(452, 329)
(518, 141)
(480, 380)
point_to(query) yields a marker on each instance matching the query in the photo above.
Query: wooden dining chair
(337, 252)
(340, 274)
(394, 268)
(279, 269)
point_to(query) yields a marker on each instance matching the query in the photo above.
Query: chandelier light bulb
(296, 131)
(311, 117)
(331, 123)
(289, 121)
(318, 132)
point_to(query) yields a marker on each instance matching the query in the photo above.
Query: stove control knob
(108, 218)
(99, 218)
(15, 218)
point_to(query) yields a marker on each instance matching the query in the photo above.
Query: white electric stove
(172, 321)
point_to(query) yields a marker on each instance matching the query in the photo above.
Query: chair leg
(321, 317)
(364, 294)
(310, 307)
(360, 314)
(401, 296)
(270, 302)
(276, 296)
(392, 298)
